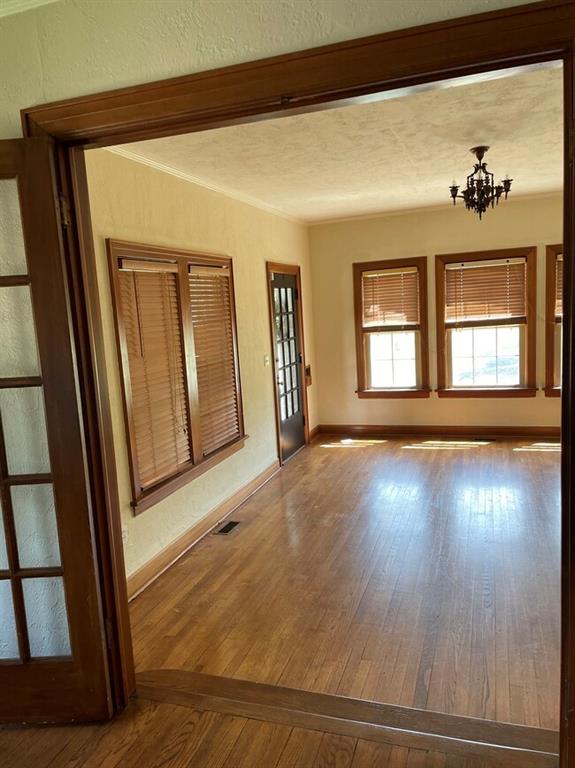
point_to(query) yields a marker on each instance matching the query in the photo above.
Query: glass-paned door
(53, 665)
(288, 363)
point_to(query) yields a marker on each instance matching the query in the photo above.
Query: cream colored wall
(336, 246)
(131, 201)
(75, 47)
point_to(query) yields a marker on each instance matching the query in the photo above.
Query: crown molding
(10, 7)
(241, 198)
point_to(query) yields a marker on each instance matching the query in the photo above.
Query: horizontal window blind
(151, 319)
(390, 297)
(559, 286)
(212, 321)
(482, 291)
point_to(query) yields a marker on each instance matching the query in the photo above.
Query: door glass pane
(18, 351)
(8, 636)
(36, 528)
(3, 555)
(24, 424)
(46, 616)
(289, 300)
(12, 255)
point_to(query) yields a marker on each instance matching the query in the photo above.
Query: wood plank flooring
(151, 735)
(408, 572)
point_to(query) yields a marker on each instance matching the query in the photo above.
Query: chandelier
(481, 192)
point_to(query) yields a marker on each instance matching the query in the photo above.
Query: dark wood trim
(20, 381)
(287, 269)
(489, 392)
(438, 430)
(551, 252)
(118, 252)
(529, 253)
(295, 82)
(420, 262)
(401, 394)
(502, 743)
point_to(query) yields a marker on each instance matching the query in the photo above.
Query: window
(486, 323)
(177, 344)
(391, 328)
(553, 319)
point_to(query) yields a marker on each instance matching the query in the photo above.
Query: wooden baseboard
(144, 576)
(501, 744)
(313, 433)
(436, 430)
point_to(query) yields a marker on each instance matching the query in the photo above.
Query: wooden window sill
(392, 393)
(552, 391)
(152, 496)
(493, 392)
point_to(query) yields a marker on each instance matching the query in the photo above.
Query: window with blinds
(212, 320)
(390, 298)
(150, 310)
(176, 331)
(554, 319)
(485, 320)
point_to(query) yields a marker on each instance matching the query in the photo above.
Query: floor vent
(228, 527)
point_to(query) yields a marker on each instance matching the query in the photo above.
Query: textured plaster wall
(334, 248)
(76, 47)
(131, 201)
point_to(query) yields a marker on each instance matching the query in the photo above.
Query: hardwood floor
(150, 735)
(403, 571)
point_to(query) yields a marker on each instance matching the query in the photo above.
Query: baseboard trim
(148, 573)
(503, 744)
(313, 433)
(437, 430)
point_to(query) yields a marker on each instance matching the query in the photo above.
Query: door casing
(320, 78)
(287, 269)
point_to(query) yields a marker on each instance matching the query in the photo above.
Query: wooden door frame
(339, 74)
(287, 269)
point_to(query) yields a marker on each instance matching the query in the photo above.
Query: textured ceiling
(381, 156)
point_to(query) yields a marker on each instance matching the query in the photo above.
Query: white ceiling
(397, 154)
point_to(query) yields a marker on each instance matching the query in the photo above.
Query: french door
(53, 662)
(287, 363)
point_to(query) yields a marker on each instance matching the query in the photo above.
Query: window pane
(558, 354)
(3, 554)
(508, 340)
(12, 254)
(508, 372)
(24, 424)
(36, 528)
(392, 360)
(18, 351)
(404, 346)
(8, 636)
(46, 616)
(485, 342)
(462, 372)
(462, 342)
(485, 371)
(404, 373)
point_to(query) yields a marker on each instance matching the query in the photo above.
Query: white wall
(75, 47)
(336, 246)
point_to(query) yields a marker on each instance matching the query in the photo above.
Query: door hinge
(65, 213)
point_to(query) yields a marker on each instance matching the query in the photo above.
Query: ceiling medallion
(481, 192)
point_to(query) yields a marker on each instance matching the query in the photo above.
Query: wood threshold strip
(504, 744)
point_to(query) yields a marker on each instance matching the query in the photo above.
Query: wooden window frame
(155, 255)
(528, 388)
(551, 253)
(423, 390)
